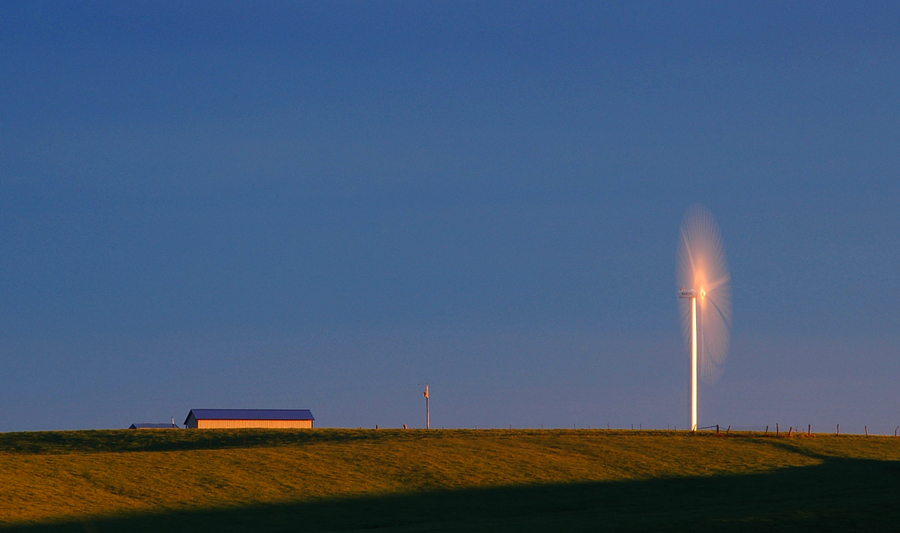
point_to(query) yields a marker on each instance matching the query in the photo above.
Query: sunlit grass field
(450, 480)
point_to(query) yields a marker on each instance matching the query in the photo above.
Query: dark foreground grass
(341, 480)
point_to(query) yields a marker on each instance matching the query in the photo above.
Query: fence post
(809, 430)
(776, 429)
(767, 431)
(791, 431)
(729, 429)
(867, 430)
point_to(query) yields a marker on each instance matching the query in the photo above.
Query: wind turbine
(705, 281)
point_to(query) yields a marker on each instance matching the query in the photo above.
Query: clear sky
(326, 205)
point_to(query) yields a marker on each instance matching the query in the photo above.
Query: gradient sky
(325, 205)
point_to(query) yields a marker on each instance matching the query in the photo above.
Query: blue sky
(326, 204)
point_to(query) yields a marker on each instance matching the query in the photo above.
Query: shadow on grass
(838, 494)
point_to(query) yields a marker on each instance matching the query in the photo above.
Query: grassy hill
(444, 480)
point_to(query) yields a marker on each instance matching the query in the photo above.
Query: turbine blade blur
(702, 266)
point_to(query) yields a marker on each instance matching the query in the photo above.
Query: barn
(249, 418)
(143, 425)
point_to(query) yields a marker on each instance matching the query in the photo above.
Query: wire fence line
(777, 428)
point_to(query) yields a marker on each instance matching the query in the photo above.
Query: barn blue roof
(250, 414)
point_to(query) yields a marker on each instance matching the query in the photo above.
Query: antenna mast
(427, 409)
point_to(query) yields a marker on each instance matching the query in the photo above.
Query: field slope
(444, 480)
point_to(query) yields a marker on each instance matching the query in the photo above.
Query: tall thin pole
(427, 409)
(694, 364)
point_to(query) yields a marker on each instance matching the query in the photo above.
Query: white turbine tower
(705, 281)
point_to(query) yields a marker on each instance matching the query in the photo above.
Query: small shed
(144, 425)
(249, 418)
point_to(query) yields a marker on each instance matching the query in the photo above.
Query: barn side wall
(226, 424)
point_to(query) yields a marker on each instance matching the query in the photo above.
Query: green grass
(487, 480)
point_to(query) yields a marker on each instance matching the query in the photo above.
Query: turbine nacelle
(691, 293)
